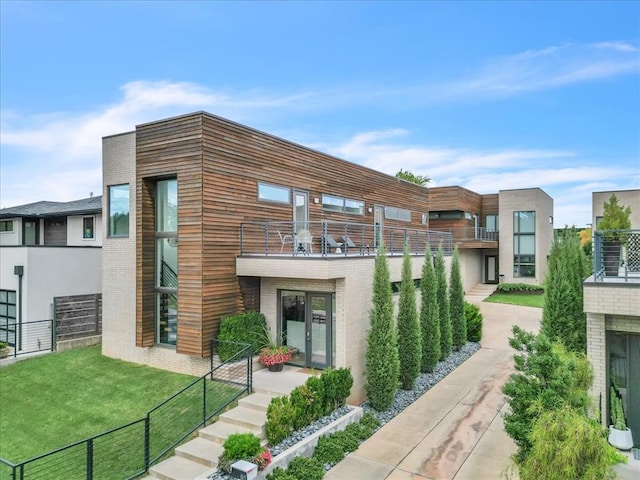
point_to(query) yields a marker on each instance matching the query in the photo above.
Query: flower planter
(276, 367)
(621, 439)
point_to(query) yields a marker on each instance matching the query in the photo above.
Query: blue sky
(487, 95)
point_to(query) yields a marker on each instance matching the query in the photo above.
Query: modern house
(205, 217)
(612, 306)
(521, 218)
(48, 250)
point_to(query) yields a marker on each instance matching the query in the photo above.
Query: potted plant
(615, 218)
(5, 350)
(274, 356)
(619, 434)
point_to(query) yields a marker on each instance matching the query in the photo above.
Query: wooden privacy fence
(78, 316)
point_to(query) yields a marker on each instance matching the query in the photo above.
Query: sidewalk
(455, 430)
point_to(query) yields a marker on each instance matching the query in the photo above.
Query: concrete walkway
(455, 430)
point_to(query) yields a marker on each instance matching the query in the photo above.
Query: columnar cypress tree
(562, 315)
(409, 340)
(456, 303)
(382, 363)
(443, 306)
(429, 316)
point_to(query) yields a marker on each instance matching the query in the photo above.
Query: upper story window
(119, 207)
(449, 215)
(274, 193)
(88, 229)
(344, 205)
(6, 225)
(393, 213)
(492, 223)
(524, 244)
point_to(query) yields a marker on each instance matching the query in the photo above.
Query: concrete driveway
(455, 430)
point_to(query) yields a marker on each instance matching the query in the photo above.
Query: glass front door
(306, 324)
(491, 269)
(624, 373)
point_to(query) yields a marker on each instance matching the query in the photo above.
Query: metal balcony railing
(616, 254)
(328, 239)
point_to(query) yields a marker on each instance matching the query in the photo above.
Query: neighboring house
(47, 250)
(502, 237)
(205, 217)
(612, 306)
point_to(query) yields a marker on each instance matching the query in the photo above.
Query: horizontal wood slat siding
(171, 148)
(218, 165)
(78, 316)
(442, 199)
(489, 205)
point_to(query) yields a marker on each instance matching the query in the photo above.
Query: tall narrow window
(167, 261)
(8, 316)
(492, 224)
(119, 211)
(87, 228)
(524, 244)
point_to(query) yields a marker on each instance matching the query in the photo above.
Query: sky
(486, 95)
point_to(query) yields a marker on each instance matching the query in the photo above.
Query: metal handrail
(616, 254)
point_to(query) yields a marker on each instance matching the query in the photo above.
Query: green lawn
(526, 300)
(51, 401)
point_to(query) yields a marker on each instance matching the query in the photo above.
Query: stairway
(479, 292)
(198, 458)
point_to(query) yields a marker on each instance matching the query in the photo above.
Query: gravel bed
(402, 400)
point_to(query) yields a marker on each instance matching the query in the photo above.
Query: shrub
(456, 304)
(370, 420)
(304, 468)
(443, 306)
(409, 339)
(239, 446)
(316, 389)
(518, 287)
(328, 451)
(566, 444)
(347, 440)
(474, 317)
(280, 473)
(280, 419)
(249, 327)
(337, 387)
(361, 431)
(429, 315)
(382, 363)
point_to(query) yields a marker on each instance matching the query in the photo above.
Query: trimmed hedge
(474, 318)
(519, 287)
(249, 327)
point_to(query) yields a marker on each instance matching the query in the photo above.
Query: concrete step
(178, 468)
(245, 417)
(256, 401)
(218, 432)
(201, 450)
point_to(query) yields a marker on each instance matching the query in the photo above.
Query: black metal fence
(28, 337)
(328, 239)
(616, 254)
(129, 450)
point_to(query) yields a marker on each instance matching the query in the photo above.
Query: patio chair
(304, 242)
(284, 239)
(349, 244)
(330, 242)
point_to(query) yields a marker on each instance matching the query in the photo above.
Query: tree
(443, 306)
(382, 364)
(421, 180)
(409, 340)
(614, 216)
(456, 304)
(562, 316)
(429, 316)
(548, 377)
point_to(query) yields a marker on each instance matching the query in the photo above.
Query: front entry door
(633, 399)
(305, 324)
(491, 269)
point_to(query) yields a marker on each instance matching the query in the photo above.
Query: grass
(57, 399)
(523, 299)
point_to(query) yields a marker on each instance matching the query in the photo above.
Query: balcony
(616, 256)
(474, 237)
(328, 239)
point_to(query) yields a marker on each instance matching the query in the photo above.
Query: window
(451, 215)
(6, 225)
(343, 205)
(87, 228)
(492, 223)
(394, 213)
(119, 210)
(273, 193)
(8, 316)
(425, 219)
(524, 244)
(166, 285)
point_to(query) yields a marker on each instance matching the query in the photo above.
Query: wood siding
(442, 199)
(78, 316)
(218, 165)
(489, 206)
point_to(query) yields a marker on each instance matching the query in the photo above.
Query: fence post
(54, 345)
(90, 459)
(147, 429)
(204, 400)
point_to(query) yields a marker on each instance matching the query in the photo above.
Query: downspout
(19, 270)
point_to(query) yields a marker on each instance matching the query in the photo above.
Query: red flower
(274, 355)
(263, 459)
